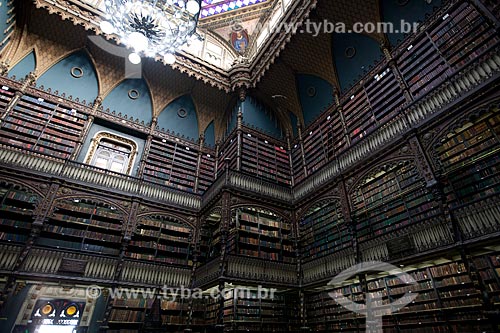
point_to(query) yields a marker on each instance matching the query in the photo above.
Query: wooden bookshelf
(392, 199)
(488, 266)
(83, 225)
(173, 163)
(212, 311)
(161, 239)
(245, 310)
(469, 157)
(16, 209)
(262, 234)
(422, 66)
(174, 314)
(314, 148)
(493, 6)
(324, 314)
(6, 95)
(297, 164)
(323, 231)
(228, 151)
(207, 171)
(447, 298)
(265, 158)
(358, 116)
(384, 95)
(210, 240)
(42, 126)
(462, 35)
(129, 314)
(198, 318)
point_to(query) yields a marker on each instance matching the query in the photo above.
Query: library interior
(219, 166)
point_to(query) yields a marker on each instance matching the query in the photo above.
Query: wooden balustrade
(45, 261)
(159, 275)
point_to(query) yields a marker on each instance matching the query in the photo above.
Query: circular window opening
(350, 52)
(182, 113)
(133, 94)
(311, 91)
(76, 72)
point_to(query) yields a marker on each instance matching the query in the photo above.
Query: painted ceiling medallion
(239, 38)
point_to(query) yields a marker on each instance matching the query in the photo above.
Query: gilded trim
(105, 135)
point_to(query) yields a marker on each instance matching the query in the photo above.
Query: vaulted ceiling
(270, 76)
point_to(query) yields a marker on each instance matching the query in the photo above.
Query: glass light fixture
(153, 27)
(134, 58)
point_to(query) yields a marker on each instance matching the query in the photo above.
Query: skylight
(214, 7)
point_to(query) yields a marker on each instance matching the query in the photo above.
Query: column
(147, 147)
(342, 119)
(198, 166)
(128, 232)
(395, 70)
(40, 214)
(216, 166)
(302, 152)
(90, 121)
(225, 223)
(346, 212)
(290, 160)
(242, 98)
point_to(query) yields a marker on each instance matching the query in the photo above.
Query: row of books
(133, 302)
(89, 235)
(165, 225)
(157, 258)
(83, 222)
(129, 316)
(92, 209)
(423, 68)
(323, 231)
(157, 246)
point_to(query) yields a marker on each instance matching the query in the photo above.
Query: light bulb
(193, 7)
(107, 27)
(169, 58)
(138, 41)
(134, 58)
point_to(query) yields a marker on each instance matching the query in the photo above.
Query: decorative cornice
(89, 19)
(248, 73)
(278, 41)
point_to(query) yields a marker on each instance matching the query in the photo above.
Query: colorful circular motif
(71, 310)
(47, 309)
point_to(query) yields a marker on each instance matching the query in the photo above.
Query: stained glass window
(214, 7)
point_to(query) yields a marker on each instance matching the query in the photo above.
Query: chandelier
(152, 27)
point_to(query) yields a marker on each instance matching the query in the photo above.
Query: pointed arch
(24, 66)
(180, 116)
(74, 75)
(97, 199)
(354, 55)
(411, 11)
(209, 134)
(315, 94)
(256, 114)
(131, 97)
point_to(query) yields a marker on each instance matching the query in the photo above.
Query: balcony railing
(485, 69)
(477, 73)
(71, 170)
